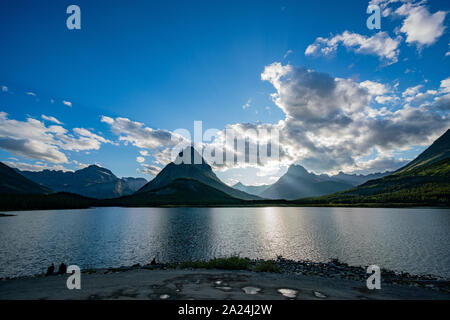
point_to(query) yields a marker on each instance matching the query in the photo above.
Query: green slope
(179, 192)
(439, 150)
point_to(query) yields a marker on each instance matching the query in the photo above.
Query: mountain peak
(191, 165)
(94, 166)
(297, 169)
(189, 155)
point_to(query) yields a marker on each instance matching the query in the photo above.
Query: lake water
(412, 240)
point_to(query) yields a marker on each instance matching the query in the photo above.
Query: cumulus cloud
(160, 142)
(38, 166)
(32, 139)
(445, 86)
(328, 122)
(149, 169)
(380, 44)
(33, 149)
(380, 164)
(375, 88)
(420, 26)
(141, 136)
(379, 92)
(67, 103)
(330, 125)
(412, 91)
(51, 119)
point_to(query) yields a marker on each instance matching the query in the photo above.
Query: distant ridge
(93, 181)
(299, 183)
(255, 190)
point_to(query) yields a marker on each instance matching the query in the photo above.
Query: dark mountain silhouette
(424, 181)
(12, 182)
(93, 181)
(184, 167)
(180, 191)
(60, 200)
(255, 190)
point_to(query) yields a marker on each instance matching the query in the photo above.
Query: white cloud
(4, 88)
(379, 164)
(30, 94)
(385, 99)
(380, 44)
(50, 118)
(329, 122)
(375, 88)
(412, 91)
(80, 165)
(32, 139)
(420, 26)
(160, 142)
(67, 103)
(445, 85)
(149, 169)
(38, 166)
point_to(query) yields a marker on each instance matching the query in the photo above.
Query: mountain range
(297, 183)
(255, 190)
(92, 181)
(423, 181)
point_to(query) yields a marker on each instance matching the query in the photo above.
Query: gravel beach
(297, 280)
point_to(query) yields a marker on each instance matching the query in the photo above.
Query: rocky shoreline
(333, 269)
(337, 269)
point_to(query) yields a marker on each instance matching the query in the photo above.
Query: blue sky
(165, 64)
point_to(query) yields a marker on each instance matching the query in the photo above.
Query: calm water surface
(412, 240)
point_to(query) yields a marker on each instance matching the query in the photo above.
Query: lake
(412, 240)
